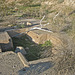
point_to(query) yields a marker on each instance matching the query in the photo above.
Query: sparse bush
(60, 1)
(6, 9)
(26, 2)
(47, 43)
(21, 26)
(34, 51)
(1, 20)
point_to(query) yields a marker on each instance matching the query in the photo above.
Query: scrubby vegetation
(60, 1)
(34, 51)
(47, 43)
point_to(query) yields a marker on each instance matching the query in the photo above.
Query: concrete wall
(41, 60)
(5, 41)
(41, 38)
(37, 38)
(23, 59)
(33, 36)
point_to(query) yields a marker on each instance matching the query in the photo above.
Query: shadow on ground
(36, 69)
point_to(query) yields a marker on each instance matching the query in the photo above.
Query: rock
(24, 69)
(5, 41)
(9, 25)
(27, 48)
(20, 49)
(29, 23)
(31, 45)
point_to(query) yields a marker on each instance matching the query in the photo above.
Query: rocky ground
(9, 63)
(61, 17)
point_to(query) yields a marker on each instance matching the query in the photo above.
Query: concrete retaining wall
(5, 41)
(41, 38)
(40, 60)
(23, 59)
(37, 38)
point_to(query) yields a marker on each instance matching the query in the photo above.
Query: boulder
(29, 23)
(5, 41)
(20, 49)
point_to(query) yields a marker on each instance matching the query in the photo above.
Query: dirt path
(34, 22)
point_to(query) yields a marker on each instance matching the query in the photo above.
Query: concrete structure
(40, 37)
(5, 41)
(16, 64)
(23, 59)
